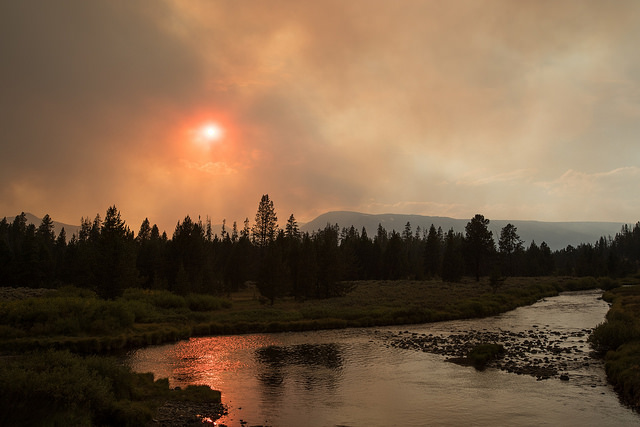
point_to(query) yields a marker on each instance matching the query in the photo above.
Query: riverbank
(58, 388)
(356, 377)
(79, 321)
(618, 339)
(76, 320)
(536, 352)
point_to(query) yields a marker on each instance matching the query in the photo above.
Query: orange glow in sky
(515, 110)
(204, 132)
(209, 134)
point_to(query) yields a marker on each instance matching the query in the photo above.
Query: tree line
(107, 257)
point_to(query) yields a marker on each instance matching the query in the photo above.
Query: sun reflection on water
(204, 360)
(353, 377)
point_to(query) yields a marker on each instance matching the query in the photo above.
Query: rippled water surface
(354, 377)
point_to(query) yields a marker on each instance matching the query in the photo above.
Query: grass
(618, 338)
(58, 388)
(78, 320)
(482, 354)
(57, 328)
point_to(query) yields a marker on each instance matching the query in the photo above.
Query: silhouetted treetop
(479, 241)
(291, 229)
(265, 228)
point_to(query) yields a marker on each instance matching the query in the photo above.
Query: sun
(211, 132)
(207, 135)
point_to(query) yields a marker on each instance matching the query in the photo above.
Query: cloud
(415, 207)
(595, 185)
(600, 196)
(484, 177)
(442, 108)
(212, 168)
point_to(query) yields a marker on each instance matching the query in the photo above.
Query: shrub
(622, 370)
(482, 354)
(109, 318)
(197, 302)
(68, 316)
(611, 334)
(607, 283)
(62, 386)
(142, 311)
(201, 329)
(72, 291)
(200, 394)
(581, 283)
(10, 332)
(59, 388)
(473, 308)
(311, 312)
(161, 299)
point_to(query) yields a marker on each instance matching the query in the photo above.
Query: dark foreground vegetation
(481, 354)
(108, 289)
(78, 320)
(50, 338)
(107, 258)
(618, 338)
(58, 388)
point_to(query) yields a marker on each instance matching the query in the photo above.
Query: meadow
(618, 340)
(58, 346)
(78, 320)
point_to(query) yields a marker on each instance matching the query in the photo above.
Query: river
(357, 377)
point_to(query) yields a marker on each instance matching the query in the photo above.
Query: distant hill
(557, 235)
(57, 226)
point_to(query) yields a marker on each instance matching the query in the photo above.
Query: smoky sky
(516, 110)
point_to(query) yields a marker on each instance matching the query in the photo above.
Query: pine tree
(94, 234)
(188, 248)
(145, 231)
(246, 230)
(452, 260)
(209, 230)
(117, 254)
(433, 252)
(509, 241)
(479, 242)
(61, 241)
(329, 271)
(45, 230)
(510, 245)
(45, 258)
(291, 229)
(407, 233)
(223, 231)
(85, 229)
(266, 227)
(234, 232)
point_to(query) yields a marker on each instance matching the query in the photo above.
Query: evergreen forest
(107, 257)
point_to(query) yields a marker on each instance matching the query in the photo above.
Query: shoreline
(618, 341)
(370, 303)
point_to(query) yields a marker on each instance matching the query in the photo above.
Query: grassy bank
(83, 323)
(618, 339)
(57, 328)
(58, 388)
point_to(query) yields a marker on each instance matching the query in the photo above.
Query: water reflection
(353, 377)
(309, 366)
(199, 360)
(324, 355)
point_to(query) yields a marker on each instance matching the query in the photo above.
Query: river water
(355, 377)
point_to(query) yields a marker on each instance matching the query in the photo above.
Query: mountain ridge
(69, 229)
(557, 235)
